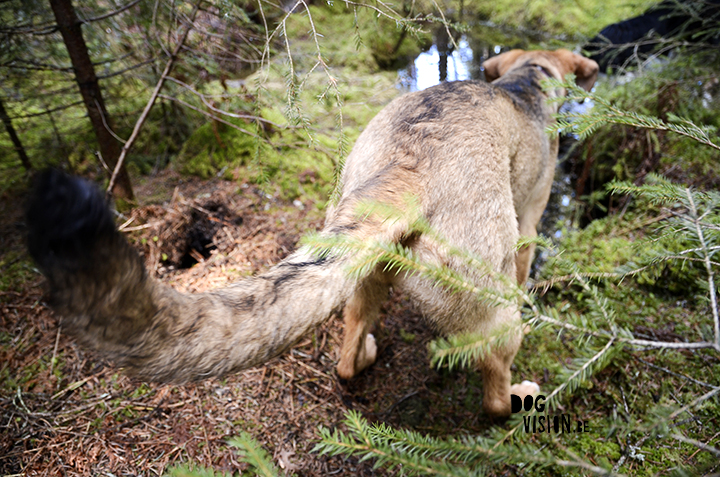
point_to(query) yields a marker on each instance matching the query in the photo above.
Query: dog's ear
(584, 69)
(586, 72)
(498, 65)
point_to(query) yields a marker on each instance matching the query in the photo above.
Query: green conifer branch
(692, 219)
(604, 112)
(254, 454)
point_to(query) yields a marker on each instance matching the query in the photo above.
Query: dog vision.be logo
(541, 421)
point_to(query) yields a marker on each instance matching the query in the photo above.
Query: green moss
(598, 248)
(561, 17)
(17, 270)
(296, 154)
(216, 146)
(590, 444)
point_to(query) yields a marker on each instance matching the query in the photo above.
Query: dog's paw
(349, 366)
(370, 350)
(526, 388)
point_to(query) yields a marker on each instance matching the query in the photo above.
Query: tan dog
(476, 157)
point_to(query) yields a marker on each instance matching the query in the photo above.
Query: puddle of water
(425, 70)
(445, 62)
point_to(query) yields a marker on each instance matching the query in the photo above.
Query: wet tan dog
(476, 157)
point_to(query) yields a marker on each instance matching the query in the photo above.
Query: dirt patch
(64, 411)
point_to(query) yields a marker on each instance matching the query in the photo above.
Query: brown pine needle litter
(64, 411)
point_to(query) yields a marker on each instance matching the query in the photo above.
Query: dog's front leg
(527, 224)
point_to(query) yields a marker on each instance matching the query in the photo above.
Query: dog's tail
(100, 288)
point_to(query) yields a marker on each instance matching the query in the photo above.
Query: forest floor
(65, 411)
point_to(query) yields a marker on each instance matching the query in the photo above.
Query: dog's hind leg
(495, 367)
(359, 349)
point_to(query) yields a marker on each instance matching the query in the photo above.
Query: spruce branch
(661, 191)
(254, 454)
(584, 370)
(418, 454)
(465, 350)
(604, 112)
(332, 87)
(373, 442)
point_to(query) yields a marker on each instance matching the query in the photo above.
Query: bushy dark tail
(66, 216)
(99, 287)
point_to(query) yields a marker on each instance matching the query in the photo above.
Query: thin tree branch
(211, 116)
(701, 445)
(636, 342)
(694, 403)
(52, 27)
(151, 102)
(110, 14)
(31, 65)
(203, 98)
(14, 138)
(48, 111)
(708, 268)
(107, 126)
(125, 70)
(673, 373)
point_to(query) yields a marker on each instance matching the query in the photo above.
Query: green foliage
(558, 17)
(276, 154)
(253, 454)
(683, 247)
(417, 454)
(649, 124)
(358, 37)
(465, 350)
(250, 452)
(600, 324)
(604, 112)
(310, 82)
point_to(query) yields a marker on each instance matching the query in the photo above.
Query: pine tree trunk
(69, 27)
(14, 138)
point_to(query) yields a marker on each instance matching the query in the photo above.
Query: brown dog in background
(476, 157)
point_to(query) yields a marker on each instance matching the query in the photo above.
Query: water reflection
(434, 66)
(459, 60)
